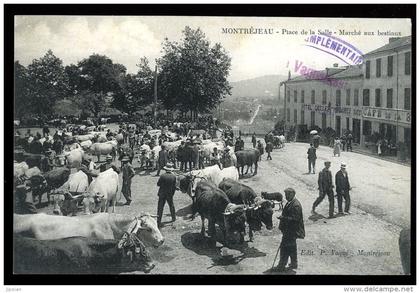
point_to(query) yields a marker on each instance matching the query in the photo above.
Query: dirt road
(365, 242)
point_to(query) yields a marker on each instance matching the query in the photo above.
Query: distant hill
(266, 86)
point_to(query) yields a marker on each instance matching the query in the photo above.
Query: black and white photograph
(212, 145)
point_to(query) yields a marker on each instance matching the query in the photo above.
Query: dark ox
(214, 205)
(247, 158)
(258, 210)
(79, 255)
(49, 181)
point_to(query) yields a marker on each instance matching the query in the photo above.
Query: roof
(321, 74)
(350, 71)
(401, 42)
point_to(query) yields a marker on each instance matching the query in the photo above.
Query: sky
(126, 39)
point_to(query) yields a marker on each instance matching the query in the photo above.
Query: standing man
(292, 227)
(325, 186)
(343, 189)
(254, 140)
(242, 143)
(269, 149)
(128, 173)
(162, 160)
(180, 155)
(311, 158)
(349, 142)
(260, 149)
(167, 187)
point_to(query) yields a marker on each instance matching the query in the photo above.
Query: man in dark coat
(260, 148)
(325, 186)
(241, 144)
(343, 189)
(128, 173)
(254, 140)
(163, 159)
(180, 156)
(349, 142)
(292, 228)
(311, 158)
(269, 149)
(167, 187)
(237, 145)
(36, 146)
(23, 199)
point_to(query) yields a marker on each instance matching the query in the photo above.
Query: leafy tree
(22, 96)
(193, 75)
(96, 78)
(47, 83)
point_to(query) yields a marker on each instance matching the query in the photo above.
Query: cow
(74, 157)
(258, 209)
(105, 187)
(102, 148)
(84, 137)
(279, 141)
(97, 226)
(214, 205)
(76, 255)
(20, 169)
(48, 181)
(63, 200)
(144, 156)
(404, 242)
(86, 144)
(247, 158)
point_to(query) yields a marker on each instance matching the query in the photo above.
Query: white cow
(84, 137)
(20, 169)
(86, 144)
(74, 157)
(102, 148)
(105, 188)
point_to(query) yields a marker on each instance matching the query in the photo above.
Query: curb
(382, 158)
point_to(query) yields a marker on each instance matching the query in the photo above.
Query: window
(295, 116)
(378, 67)
(324, 97)
(312, 97)
(407, 63)
(390, 65)
(312, 118)
(295, 96)
(407, 99)
(347, 123)
(389, 98)
(324, 121)
(288, 96)
(302, 97)
(366, 97)
(356, 97)
(367, 75)
(378, 98)
(338, 98)
(302, 117)
(367, 127)
(348, 92)
(288, 114)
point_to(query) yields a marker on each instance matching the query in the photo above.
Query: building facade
(374, 97)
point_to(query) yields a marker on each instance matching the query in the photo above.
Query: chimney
(393, 40)
(335, 65)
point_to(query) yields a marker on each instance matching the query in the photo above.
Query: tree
(96, 78)
(193, 75)
(47, 83)
(22, 96)
(136, 90)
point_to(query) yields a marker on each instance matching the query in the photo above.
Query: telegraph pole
(155, 95)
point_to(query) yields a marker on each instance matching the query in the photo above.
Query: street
(363, 243)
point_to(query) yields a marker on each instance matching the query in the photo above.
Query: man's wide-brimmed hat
(125, 159)
(343, 165)
(169, 167)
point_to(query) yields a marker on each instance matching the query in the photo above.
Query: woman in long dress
(337, 146)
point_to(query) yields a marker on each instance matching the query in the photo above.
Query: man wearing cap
(325, 186)
(343, 189)
(215, 158)
(167, 187)
(128, 173)
(292, 227)
(108, 164)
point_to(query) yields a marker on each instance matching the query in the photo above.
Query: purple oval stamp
(336, 47)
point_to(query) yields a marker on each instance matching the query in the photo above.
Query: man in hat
(260, 148)
(84, 167)
(325, 186)
(180, 155)
(128, 173)
(343, 189)
(163, 159)
(215, 158)
(167, 187)
(254, 140)
(292, 227)
(311, 158)
(108, 164)
(269, 148)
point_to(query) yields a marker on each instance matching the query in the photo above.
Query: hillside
(266, 86)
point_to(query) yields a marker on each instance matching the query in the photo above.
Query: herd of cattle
(96, 242)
